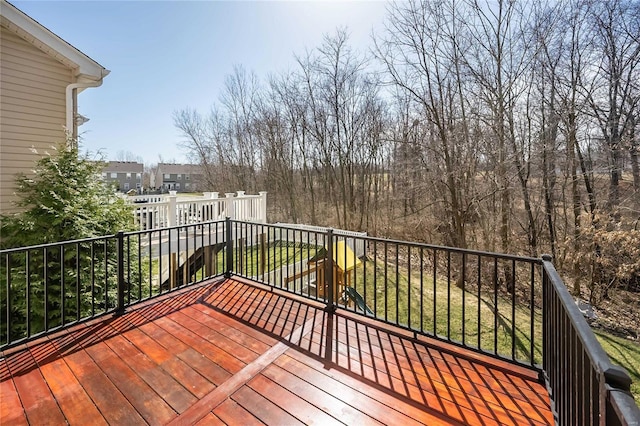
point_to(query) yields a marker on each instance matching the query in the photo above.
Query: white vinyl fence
(353, 239)
(161, 211)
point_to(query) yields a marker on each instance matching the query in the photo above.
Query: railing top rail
(56, 244)
(624, 407)
(154, 204)
(244, 196)
(459, 250)
(415, 244)
(314, 228)
(595, 352)
(153, 199)
(171, 228)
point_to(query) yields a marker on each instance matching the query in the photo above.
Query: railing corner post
(229, 247)
(120, 272)
(617, 377)
(229, 207)
(329, 274)
(546, 314)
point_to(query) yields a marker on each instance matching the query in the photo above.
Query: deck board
(172, 391)
(289, 401)
(37, 400)
(74, 402)
(263, 409)
(210, 420)
(229, 352)
(171, 363)
(346, 383)
(10, 404)
(230, 412)
(112, 404)
(151, 406)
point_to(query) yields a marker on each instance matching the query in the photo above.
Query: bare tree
(343, 121)
(421, 51)
(613, 87)
(240, 98)
(128, 156)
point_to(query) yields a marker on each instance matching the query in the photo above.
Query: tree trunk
(614, 177)
(635, 166)
(572, 144)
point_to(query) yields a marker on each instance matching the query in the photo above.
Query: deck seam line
(209, 402)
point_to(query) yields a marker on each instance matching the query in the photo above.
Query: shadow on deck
(233, 352)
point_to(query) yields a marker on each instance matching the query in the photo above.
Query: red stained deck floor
(233, 353)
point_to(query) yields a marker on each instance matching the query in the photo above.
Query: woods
(508, 126)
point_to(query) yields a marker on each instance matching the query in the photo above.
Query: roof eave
(41, 37)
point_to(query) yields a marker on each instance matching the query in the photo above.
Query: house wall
(123, 175)
(123, 181)
(32, 109)
(178, 177)
(181, 182)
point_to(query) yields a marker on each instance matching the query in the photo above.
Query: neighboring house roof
(172, 168)
(123, 167)
(85, 68)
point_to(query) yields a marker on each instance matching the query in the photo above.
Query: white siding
(32, 109)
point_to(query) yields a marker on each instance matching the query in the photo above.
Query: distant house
(178, 177)
(123, 175)
(40, 78)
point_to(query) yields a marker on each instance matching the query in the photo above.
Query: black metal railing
(511, 307)
(585, 387)
(483, 301)
(47, 287)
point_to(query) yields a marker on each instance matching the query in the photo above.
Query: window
(179, 176)
(128, 175)
(114, 175)
(167, 175)
(138, 186)
(104, 175)
(126, 186)
(186, 177)
(138, 175)
(177, 185)
(187, 185)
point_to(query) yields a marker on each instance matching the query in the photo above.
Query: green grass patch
(446, 310)
(253, 261)
(625, 353)
(483, 320)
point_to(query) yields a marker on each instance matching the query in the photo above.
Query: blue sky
(169, 55)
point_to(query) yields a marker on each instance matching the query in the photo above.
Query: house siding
(32, 109)
(178, 177)
(128, 175)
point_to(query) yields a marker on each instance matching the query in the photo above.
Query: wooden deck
(232, 353)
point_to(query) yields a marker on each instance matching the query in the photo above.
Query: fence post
(229, 246)
(173, 214)
(263, 207)
(229, 205)
(331, 306)
(120, 272)
(241, 207)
